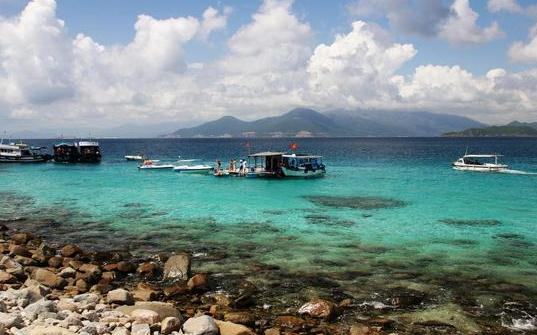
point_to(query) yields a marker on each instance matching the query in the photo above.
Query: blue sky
(111, 22)
(401, 44)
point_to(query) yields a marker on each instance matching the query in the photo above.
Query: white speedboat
(193, 168)
(151, 165)
(480, 163)
(134, 157)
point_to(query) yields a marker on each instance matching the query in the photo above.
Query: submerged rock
(449, 314)
(355, 202)
(463, 222)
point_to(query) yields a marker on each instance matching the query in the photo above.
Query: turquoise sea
(390, 213)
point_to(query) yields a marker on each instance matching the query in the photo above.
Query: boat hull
(34, 159)
(155, 167)
(480, 168)
(303, 173)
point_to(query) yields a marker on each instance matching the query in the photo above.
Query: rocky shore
(62, 289)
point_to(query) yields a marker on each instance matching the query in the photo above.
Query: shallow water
(389, 212)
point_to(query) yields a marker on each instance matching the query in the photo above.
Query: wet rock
(108, 277)
(244, 318)
(405, 298)
(89, 272)
(67, 272)
(140, 329)
(291, 322)
(170, 324)
(229, 328)
(174, 289)
(145, 316)
(126, 267)
(272, 331)
(147, 269)
(26, 261)
(201, 325)
(198, 281)
(144, 292)
(120, 296)
(81, 286)
(177, 267)
(49, 278)
(361, 330)
(70, 250)
(55, 262)
(318, 308)
(21, 238)
(19, 250)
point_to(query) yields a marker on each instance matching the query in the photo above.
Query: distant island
(304, 122)
(513, 129)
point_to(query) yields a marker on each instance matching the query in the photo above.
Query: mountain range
(304, 122)
(513, 129)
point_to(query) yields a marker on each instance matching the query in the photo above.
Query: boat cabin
(66, 153)
(281, 164)
(266, 164)
(89, 152)
(479, 159)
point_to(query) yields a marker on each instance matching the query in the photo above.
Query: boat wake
(509, 171)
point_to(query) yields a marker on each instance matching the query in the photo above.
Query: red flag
(294, 146)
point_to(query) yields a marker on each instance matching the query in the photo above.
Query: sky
(108, 63)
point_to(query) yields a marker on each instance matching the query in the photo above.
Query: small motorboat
(134, 157)
(151, 165)
(479, 163)
(193, 168)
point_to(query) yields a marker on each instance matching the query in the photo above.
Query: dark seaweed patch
(328, 220)
(462, 222)
(509, 236)
(356, 202)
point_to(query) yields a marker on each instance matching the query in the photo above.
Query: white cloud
(504, 5)
(357, 68)
(461, 26)
(521, 52)
(35, 56)
(271, 65)
(213, 20)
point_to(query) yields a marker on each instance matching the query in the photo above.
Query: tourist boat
(150, 165)
(480, 163)
(66, 153)
(201, 168)
(134, 157)
(89, 151)
(22, 153)
(281, 164)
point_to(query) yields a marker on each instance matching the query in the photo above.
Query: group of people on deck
(241, 169)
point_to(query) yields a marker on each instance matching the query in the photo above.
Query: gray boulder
(201, 325)
(177, 267)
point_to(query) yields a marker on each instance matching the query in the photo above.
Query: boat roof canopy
(267, 153)
(302, 156)
(482, 156)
